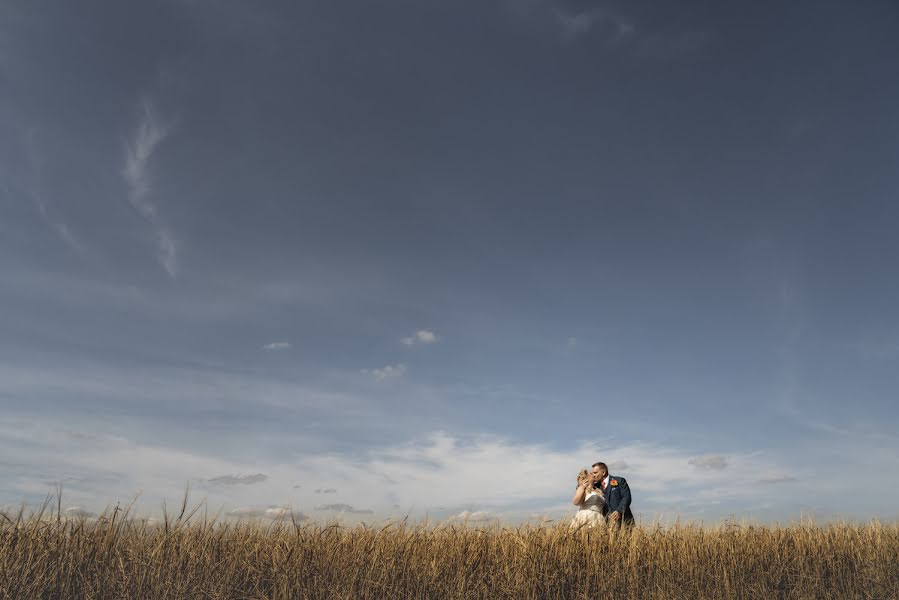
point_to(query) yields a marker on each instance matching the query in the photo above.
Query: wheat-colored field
(48, 556)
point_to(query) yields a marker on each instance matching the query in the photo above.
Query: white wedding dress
(589, 513)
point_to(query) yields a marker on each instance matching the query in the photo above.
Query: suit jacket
(618, 498)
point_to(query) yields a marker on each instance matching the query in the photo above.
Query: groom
(617, 509)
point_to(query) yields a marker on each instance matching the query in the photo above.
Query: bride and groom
(601, 498)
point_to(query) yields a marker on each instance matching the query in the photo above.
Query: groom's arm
(625, 492)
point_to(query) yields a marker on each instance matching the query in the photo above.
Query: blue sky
(375, 259)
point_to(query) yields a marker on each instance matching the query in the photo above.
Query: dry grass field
(44, 556)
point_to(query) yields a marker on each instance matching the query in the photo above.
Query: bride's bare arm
(579, 494)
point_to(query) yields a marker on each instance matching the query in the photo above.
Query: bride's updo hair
(582, 476)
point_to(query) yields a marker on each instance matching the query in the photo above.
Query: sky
(364, 260)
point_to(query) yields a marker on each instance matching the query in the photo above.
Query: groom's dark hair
(601, 465)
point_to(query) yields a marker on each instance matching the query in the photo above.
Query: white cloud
(709, 462)
(422, 336)
(277, 346)
(271, 511)
(478, 516)
(275, 512)
(345, 508)
(441, 470)
(80, 513)
(387, 372)
(425, 337)
(150, 133)
(168, 250)
(238, 479)
(431, 471)
(246, 511)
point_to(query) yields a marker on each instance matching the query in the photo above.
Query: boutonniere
(614, 482)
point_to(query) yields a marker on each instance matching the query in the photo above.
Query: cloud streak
(272, 511)
(139, 151)
(709, 462)
(239, 479)
(345, 508)
(33, 187)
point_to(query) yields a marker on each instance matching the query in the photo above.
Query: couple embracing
(601, 498)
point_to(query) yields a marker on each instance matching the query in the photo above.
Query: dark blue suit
(618, 499)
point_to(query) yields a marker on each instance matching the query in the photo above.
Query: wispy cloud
(34, 188)
(277, 346)
(326, 491)
(238, 479)
(778, 479)
(345, 508)
(66, 235)
(573, 25)
(390, 371)
(438, 470)
(611, 26)
(462, 472)
(709, 462)
(478, 516)
(422, 336)
(80, 512)
(272, 511)
(149, 134)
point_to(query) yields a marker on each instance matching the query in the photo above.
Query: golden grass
(43, 556)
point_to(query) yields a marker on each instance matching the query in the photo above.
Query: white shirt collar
(605, 482)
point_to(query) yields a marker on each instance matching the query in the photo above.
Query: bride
(589, 501)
